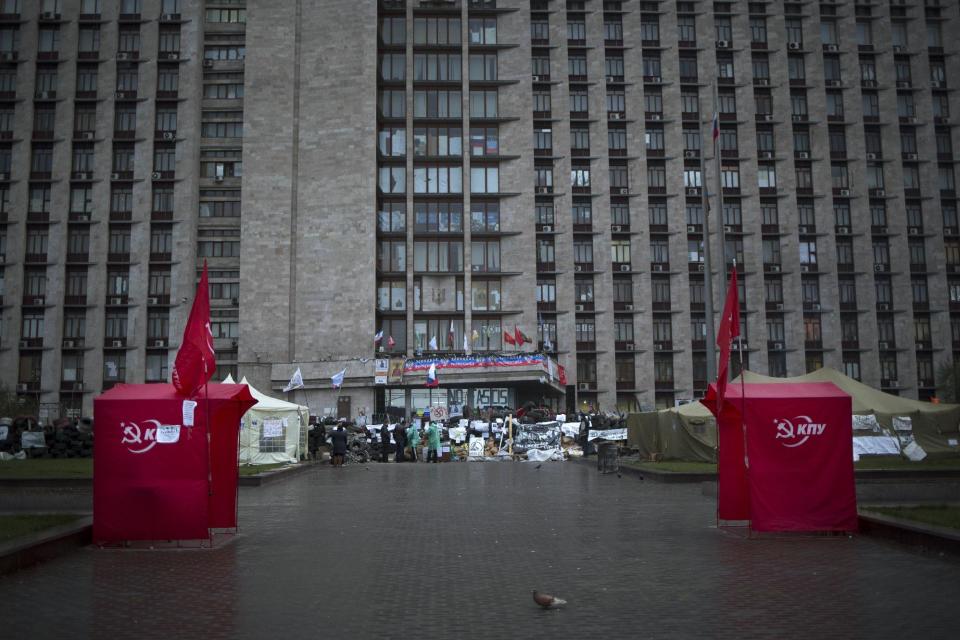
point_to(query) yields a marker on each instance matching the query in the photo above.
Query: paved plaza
(454, 550)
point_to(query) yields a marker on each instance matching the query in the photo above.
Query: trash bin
(608, 457)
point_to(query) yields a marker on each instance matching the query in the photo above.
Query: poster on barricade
(607, 434)
(541, 436)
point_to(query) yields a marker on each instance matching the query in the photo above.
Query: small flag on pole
(433, 344)
(432, 376)
(518, 336)
(337, 379)
(716, 126)
(508, 337)
(378, 336)
(466, 343)
(451, 337)
(296, 381)
(391, 342)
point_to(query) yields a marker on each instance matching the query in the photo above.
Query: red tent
(155, 477)
(785, 456)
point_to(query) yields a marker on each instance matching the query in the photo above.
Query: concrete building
(452, 171)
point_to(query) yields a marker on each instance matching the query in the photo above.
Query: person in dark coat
(384, 442)
(339, 441)
(400, 438)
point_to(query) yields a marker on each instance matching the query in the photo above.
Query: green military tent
(688, 432)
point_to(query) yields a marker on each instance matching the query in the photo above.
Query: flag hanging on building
(521, 336)
(433, 344)
(378, 336)
(391, 342)
(451, 336)
(508, 337)
(432, 380)
(729, 329)
(296, 381)
(196, 360)
(716, 126)
(337, 379)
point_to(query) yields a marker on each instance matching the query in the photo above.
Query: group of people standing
(408, 437)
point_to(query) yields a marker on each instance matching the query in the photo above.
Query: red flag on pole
(508, 337)
(729, 329)
(518, 336)
(451, 338)
(196, 361)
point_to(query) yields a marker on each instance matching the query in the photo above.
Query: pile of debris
(62, 439)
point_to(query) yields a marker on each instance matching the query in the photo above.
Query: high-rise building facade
(451, 172)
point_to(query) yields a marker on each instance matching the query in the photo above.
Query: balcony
(75, 301)
(31, 343)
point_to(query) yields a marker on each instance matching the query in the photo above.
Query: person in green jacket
(433, 442)
(413, 440)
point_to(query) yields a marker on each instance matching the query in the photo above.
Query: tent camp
(271, 431)
(689, 431)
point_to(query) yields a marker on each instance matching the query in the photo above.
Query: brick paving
(453, 550)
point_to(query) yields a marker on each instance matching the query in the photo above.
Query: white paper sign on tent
(272, 428)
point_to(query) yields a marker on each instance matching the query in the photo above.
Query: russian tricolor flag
(716, 126)
(432, 376)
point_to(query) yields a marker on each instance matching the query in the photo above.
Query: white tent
(270, 431)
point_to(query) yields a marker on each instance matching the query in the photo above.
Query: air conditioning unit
(123, 55)
(116, 301)
(48, 15)
(69, 344)
(794, 46)
(167, 17)
(833, 83)
(774, 268)
(693, 191)
(804, 268)
(878, 193)
(24, 344)
(883, 306)
(911, 120)
(624, 267)
(897, 48)
(218, 179)
(727, 228)
(910, 156)
(577, 267)
(579, 307)
(803, 155)
(156, 175)
(616, 228)
(614, 115)
(871, 156)
(547, 228)
(805, 229)
(160, 342)
(723, 44)
(629, 346)
(700, 266)
(843, 230)
(884, 346)
(778, 346)
(22, 387)
(831, 47)
(171, 55)
(628, 307)
(762, 81)
(913, 231)
(535, 78)
(655, 116)
(766, 155)
(153, 300)
(611, 78)
(893, 384)
(656, 267)
(903, 84)
(624, 191)
(799, 118)
(116, 343)
(169, 135)
(584, 386)
(767, 117)
(879, 267)
(208, 64)
(815, 306)
(121, 95)
(658, 346)
(43, 95)
(778, 306)
(844, 192)
(691, 228)
(936, 84)
(689, 154)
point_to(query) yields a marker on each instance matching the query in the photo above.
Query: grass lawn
(47, 468)
(672, 466)
(898, 463)
(254, 469)
(940, 515)
(20, 525)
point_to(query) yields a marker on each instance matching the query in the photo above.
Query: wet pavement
(454, 550)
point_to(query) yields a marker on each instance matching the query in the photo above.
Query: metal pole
(719, 211)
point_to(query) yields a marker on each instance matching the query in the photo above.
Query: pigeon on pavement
(547, 601)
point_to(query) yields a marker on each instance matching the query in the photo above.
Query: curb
(925, 537)
(45, 545)
(47, 483)
(285, 473)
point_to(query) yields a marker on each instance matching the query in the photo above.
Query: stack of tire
(65, 440)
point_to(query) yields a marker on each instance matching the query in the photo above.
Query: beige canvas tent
(270, 432)
(689, 432)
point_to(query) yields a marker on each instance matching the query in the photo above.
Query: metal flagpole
(719, 211)
(711, 336)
